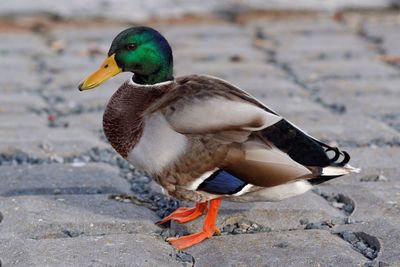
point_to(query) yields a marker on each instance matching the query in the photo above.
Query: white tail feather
(332, 171)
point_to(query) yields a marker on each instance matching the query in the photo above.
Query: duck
(203, 139)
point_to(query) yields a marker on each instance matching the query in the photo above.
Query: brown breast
(123, 118)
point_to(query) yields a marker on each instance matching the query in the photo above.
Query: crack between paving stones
(144, 196)
(369, 260)
(335, 108)
(185, 257)
(180, 256)
(330, 231)
(67, 234)
(376, 42)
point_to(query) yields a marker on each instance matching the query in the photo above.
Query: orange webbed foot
(209, 229)
(182, 215)
(193, 239)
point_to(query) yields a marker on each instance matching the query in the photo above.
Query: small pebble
(349, 236)
(338, 205)
(317, 225)
(369, 255)
(348, 208)
(78, 164)
(283, 244)
(236, 58)
(184, 257)
(254, 227)
(349, 220)
(361, 246)
(304, 221)
(374, 178)
(244, 226)
(338, 221)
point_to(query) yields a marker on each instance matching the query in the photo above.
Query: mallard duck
(203, 139)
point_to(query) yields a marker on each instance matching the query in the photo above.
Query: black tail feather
(322, 179)
(303, 148)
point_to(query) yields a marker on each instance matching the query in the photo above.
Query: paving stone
(283, 215)
(86, 35)
(225, 70)
(321, 47)
(20, 103)
(212, 42)
(378, 166)
(388, 235)
(371, 105)
(302, 248)
(21, 120)
(343, 69)
(294, 106)
(55, 179)
(371, 202)
(184, 31)
(91, 121)
(376, 157)
(387, 33)
(48, 142)
(138, 11)
(266, 88)
(347, 129)
(306, 25)
(59, 216)
(231, 54)
(29, 83)
(110, 250)
(21, 43)
(376, 99)
(89, 49)
(19, 62)
(355, 88)
(59, 63)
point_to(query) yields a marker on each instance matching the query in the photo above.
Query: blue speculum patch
(222, 182)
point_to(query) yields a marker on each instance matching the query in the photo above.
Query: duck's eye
(130, 47)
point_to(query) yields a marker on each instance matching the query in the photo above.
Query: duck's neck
(123, 119)
(162, 74)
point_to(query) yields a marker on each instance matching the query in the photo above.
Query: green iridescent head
(141, 50)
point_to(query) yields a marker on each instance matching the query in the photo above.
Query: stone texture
(56, 179)
(59, 216)
(225, 71)
(21, 120)
(283, 215)
(325, 75)
(300, 248)
(14, 103)
(321, 47)
(387, 234)
(92, 121)
(348, 129)
(110, 250)
(343, 69)
(48, 142)
(138, 11)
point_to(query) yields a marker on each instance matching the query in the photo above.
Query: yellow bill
(108, 69)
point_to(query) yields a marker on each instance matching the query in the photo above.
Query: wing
(203, 105)
(266, 150)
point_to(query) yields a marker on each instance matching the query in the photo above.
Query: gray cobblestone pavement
(335, 75)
